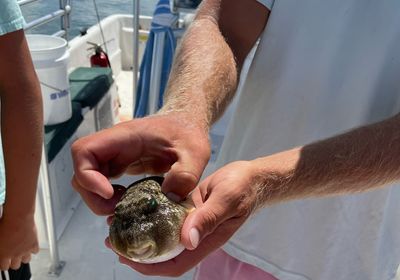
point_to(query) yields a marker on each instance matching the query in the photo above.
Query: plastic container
(50, 58)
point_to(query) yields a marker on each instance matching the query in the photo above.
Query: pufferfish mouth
(143, 251)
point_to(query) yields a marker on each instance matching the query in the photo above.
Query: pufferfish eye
(151, 205)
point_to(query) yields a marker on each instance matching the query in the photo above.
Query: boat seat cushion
(88, 85)
(57, 135)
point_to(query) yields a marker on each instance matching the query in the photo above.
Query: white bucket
(50, 58)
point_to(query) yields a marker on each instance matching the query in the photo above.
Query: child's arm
(21, 131)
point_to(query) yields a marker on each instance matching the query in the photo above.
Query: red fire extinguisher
(100, 57)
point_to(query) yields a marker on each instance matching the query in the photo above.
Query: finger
(87, 176)
(109, 220)
(203, 189)
(95, 182)
(35, 249)
(184, 174)
(15, 263)
(98, 204)
(26, 258)
(106, 153)
(205, 219)
(5, 264)
(196, 197)
(108, 243)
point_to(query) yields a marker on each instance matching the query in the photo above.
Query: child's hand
(18, 240)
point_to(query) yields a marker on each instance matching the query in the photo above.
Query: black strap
(23, 273)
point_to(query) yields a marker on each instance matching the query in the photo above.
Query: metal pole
(64, 5)
(60, 33)
(62, 20)
(25, 2)
(156, 69)
(56, 265)
(45, 19)
(135, 69)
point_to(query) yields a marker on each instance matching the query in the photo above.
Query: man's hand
(18, 240)
(223, 202)
(171, 143)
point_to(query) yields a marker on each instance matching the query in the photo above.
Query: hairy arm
(205, 72)
(359, 160)
(203, 79)
(21, 125)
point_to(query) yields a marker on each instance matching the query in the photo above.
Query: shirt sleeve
(11, 18)
(267, 3)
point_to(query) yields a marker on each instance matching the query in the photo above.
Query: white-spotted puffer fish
(146, 226)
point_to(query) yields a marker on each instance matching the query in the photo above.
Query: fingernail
(194, 236)
(173, 197)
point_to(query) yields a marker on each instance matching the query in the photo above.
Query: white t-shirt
(321, 68)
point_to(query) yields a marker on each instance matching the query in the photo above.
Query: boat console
(184, 5)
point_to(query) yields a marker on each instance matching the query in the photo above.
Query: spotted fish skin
(146, 226)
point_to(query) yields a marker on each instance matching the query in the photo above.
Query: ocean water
(83, 14)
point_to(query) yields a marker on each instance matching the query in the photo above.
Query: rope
(101, 29)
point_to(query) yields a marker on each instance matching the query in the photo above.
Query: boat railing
(62, 13)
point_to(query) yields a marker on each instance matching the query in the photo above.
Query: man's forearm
(359, 160)
(204, 75)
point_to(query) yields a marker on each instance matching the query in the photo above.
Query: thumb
(183, 176)
(201, 222)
